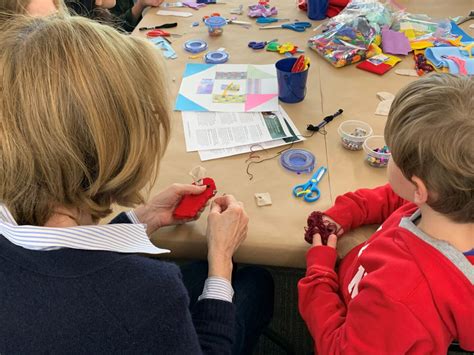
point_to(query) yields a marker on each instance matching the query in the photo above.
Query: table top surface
(276, 232)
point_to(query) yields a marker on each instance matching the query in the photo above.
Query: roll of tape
(298, 160)
(216, 57)
(195, 46)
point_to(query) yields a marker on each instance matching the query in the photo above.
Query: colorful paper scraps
(394, 42)
(262, 10)
(346, 43)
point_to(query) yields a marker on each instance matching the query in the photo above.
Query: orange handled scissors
(161, 33)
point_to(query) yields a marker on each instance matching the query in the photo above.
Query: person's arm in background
(373, 323)
(364, 206)
(130, 12)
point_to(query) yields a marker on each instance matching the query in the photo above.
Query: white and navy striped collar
(121, 238)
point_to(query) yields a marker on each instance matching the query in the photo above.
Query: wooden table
(275, 234)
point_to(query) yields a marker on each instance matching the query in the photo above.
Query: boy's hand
(332, 241)
(340, 230)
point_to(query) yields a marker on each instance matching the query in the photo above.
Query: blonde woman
(76, 137)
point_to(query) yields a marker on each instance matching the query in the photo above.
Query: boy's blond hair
(84, 115)
(430, 130)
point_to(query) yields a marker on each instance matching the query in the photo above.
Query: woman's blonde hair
(84, 117)
(430, 131)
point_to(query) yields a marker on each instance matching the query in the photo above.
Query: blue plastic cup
(317, 9)
(291, 86)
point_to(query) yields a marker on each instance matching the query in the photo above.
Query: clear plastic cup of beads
(353, 134)
(377, 152)
(215, 25)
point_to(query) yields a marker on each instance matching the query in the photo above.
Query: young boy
(409, 288)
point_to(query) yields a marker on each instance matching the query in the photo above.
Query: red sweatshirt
(396, 293)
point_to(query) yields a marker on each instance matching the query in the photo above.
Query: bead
(377, 162)
(354, 144)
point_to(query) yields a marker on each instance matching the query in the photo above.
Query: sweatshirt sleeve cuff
(334, 214)
(321, 255)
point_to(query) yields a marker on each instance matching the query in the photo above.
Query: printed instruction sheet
(295, 136)
(220, 130)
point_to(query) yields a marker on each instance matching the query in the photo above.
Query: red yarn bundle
(316, 224)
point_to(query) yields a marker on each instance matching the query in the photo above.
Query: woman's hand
(226, 230)
(158, 212)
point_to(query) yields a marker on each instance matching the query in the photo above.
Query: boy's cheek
(402, 187)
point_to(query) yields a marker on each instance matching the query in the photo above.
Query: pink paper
(395, 42)
(253, 101)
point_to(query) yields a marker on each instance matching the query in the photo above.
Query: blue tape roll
(216, 57)
(298, 160)
(195, 46)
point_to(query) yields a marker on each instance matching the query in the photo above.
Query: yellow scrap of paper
(392, 60)
(421, 44)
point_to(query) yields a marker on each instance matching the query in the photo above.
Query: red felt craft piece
(380, 69)
(190, 205)
(316, 224)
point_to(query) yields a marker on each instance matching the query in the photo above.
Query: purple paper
(261, 11)
(395, 42)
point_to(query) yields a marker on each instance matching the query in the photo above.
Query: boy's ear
(421, 192)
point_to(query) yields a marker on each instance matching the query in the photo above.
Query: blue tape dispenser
(298, 160)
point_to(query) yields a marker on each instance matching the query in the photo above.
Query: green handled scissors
(310, 190)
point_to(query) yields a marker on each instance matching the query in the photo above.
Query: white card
(173, 13)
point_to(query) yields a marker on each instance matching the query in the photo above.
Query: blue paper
(164, 47)
(436, 55)
(184, 104)
(457, 31)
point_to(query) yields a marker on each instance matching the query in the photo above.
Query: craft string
(249, 161)
(317, 224)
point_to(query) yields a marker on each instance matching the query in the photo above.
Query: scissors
(260, 45)
(265, 20)
(310, 190)
(161, 33)
(296, 26)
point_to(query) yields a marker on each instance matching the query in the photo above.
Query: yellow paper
(421, 44)
(392, 60)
